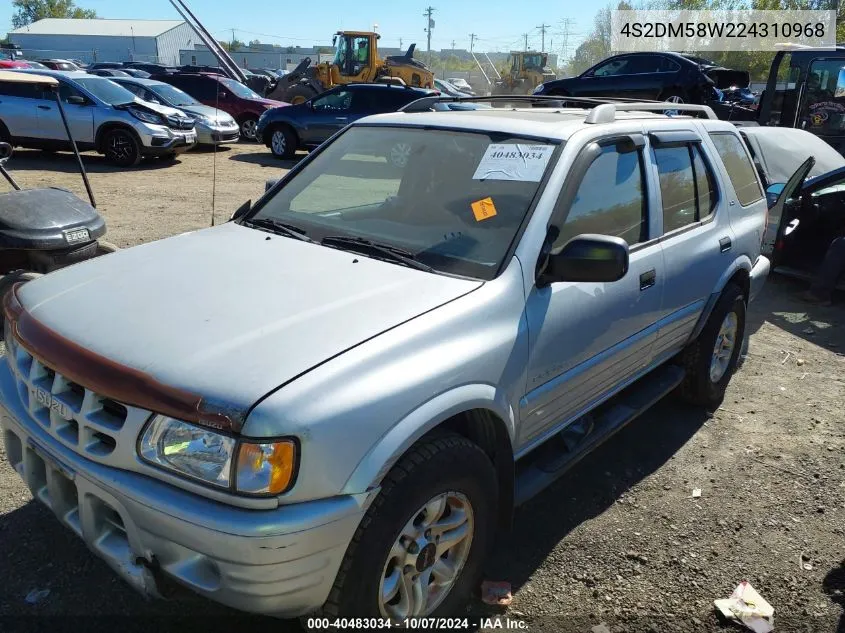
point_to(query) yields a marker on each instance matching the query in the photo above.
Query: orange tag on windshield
(483, 209)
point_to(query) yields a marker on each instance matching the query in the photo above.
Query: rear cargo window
(739, 167)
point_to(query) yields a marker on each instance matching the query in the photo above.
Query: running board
(554, 458)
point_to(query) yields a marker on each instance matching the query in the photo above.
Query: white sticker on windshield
(514, 161)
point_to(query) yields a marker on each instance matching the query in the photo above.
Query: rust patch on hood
(109, 378)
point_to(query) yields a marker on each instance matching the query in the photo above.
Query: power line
(543, 28)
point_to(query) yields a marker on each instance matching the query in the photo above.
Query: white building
(106, 40)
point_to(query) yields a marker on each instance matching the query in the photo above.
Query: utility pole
(472, 37)
(233, 40)
(400, 42)
(525, 37)
(429, 25)
(453, 45)
(543, 28)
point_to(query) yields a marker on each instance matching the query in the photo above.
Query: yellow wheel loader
(526, 70)
(356, 60)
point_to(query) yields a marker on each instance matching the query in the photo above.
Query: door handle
(43, 107)
(648, 279)
(341, 118)
(725, 244)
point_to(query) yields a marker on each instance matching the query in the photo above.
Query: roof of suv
(551, 123)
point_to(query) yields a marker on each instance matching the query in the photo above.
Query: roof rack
(603, 109)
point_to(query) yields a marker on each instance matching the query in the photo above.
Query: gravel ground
(619, 541)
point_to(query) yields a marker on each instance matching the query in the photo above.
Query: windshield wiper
(281, 228)
(364, 245)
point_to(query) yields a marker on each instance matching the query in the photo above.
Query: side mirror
(840, 84)
(242, 210)
(76, 100)
(587, 258)
(772, 193)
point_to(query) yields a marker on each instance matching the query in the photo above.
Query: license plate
(190, 138)
(75, 236)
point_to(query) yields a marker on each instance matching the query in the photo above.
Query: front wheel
(712, 358)
(283, 142)
(121, 148)
(248, 127)
(419, 550)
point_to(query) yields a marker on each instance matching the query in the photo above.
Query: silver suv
(103, 116)
(347, 389)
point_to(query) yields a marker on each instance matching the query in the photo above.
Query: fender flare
(743, 262)
(400, 437)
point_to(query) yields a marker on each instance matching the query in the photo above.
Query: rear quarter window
(738, 164)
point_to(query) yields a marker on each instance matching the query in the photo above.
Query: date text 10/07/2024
(428, 624)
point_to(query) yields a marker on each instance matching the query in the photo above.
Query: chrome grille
(89, 423)
(180, 123)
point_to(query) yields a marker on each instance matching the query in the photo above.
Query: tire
(299, 94)
(104, 248)
(700, 385)
(248, 124)
(5, 137)
(431, 469)
(121, 148)
(282, 142)
(6, 283)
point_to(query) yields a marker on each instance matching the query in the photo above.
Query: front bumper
(279, 562)
(217, 135)
(759, 274)
(158, 140)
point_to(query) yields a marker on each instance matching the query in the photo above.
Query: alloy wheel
(724, 348)
(427, 557)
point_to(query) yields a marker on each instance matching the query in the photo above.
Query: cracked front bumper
(279, 562)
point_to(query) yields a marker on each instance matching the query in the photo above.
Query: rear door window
(739, 167)
(822, 110)
(22, 90)
(687, 185)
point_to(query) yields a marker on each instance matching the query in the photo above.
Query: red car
(11, 63)
(229, 95)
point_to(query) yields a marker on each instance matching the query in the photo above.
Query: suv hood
(230, 313)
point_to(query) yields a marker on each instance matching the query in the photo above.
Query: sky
(495, 22)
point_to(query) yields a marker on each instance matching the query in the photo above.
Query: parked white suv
(102, 115)
(344, 392)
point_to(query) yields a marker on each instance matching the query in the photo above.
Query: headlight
(218, 459)
(146, 117)
(539, 89)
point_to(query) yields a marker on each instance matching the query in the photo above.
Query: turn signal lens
(265, 468)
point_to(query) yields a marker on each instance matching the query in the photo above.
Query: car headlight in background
(539, 89)
(145, 116)
(257, 468)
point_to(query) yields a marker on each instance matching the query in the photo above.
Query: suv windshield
(451, 200)
(173, 95)
(106, 90)
(239, 89)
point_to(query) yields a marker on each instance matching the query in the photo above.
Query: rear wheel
(248, 125)
(419, 550)
(283, 142)
(121, 148)
(299, 94)
(712, 358)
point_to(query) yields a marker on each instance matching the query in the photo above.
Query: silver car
(360, 377)
(102, 115)
(214, 126)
